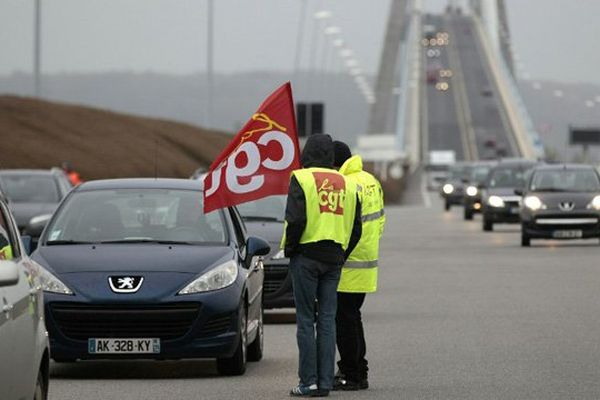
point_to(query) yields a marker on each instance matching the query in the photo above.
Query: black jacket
(318, 152)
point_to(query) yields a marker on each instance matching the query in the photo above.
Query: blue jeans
(313, 280)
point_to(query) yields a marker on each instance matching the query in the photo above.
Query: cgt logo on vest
(331, 191)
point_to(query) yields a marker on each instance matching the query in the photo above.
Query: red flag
(259, 160)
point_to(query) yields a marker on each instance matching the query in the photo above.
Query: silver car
(24, 352)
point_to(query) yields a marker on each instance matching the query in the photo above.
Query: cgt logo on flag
(259, 160)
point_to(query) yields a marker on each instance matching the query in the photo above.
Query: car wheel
(447, 205)
(468, 214)
(41, 390)
(488, 225)
(236, 364)
(255, 350)
(525, 240)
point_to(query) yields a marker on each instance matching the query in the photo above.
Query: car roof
(557, 167)
(27, 172)
(517, 163)
(141, 183)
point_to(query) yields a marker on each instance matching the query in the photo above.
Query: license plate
(124, 346)
(567, 234)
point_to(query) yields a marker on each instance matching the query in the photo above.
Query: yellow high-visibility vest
(6, 253)
(330, 205)
(359, 274)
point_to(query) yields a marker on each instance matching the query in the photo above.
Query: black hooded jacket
(318, 152)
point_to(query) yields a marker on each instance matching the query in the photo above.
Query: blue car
(134, 269)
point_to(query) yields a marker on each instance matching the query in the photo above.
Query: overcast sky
(556, 39)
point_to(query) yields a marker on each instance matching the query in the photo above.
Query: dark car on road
(136, 269)
(499, 202)
(33, 194)
(265, 218)
(472, 193)
(453, 189)
(561, 202)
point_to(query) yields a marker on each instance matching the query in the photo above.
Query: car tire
(41, 388)
(468, 214)
(236, 364)
(488, 225)
(525, 240)
(447, 205)
(255, 349)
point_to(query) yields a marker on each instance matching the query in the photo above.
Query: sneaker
(304, 391)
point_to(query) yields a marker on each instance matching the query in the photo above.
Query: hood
(553, 199)
(352, 165)
(501, 191)
(271, 231)
(318, 152)
(130, 258)
(23, 212)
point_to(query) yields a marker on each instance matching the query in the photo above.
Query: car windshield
(479, 173)
(568, 180)
(508, 177)
(458, 172)
(30, 188)
(136, 215)
(271, 208)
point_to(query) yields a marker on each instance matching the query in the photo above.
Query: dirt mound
(101, 144)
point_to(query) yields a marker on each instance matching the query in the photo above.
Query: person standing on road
(322, 228)
(359, 274)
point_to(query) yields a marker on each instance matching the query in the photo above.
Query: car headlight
(533, 203)
(448, 188)
(595, 203)
(471, 191)
(496, 201)
(217, 278)
(280, 255)
(52, 284)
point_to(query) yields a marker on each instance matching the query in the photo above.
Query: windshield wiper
(261, 218)
(157, 241)
(58, 242)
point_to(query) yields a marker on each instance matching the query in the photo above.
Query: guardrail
(529, 142)
(409, 105)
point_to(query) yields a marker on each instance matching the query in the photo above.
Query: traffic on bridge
(341, 199)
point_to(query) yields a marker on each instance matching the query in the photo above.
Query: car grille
(83, 321)
(216, 326)
(275, 276)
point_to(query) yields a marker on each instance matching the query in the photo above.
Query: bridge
(445, 82)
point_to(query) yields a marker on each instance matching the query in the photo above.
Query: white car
(24, 351)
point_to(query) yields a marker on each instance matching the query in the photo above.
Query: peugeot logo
(566, 205)
(125, 284)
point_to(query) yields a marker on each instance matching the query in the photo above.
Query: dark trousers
(351, 337)
(315, 281)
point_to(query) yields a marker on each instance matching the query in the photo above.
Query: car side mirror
(9, 273)
(26, 240)
(257, 247)
(519, 192)
(36, 225)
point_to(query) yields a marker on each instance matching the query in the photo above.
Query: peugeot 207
(561, 202)
(135, 269)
